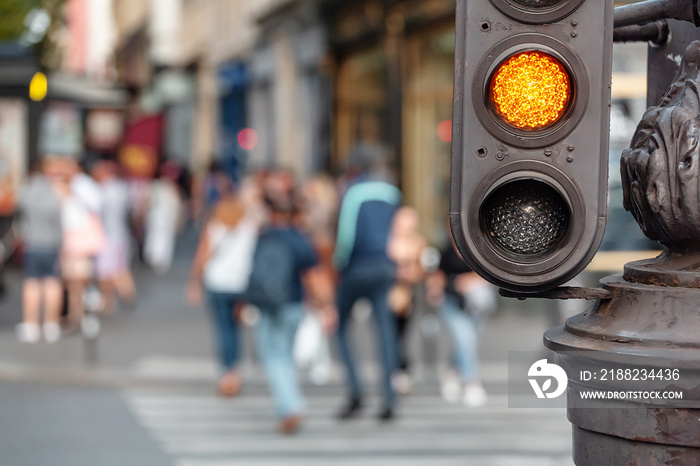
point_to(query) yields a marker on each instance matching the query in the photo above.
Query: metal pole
(649, 321)
(653, 10)
(657, 33)
(90, 324)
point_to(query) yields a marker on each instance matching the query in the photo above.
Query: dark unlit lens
(526, 218)
(537, 4)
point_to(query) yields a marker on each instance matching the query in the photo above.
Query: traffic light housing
(530, 137)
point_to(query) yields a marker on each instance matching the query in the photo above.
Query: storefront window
(427, 135)
(361, 105)
(61, 130)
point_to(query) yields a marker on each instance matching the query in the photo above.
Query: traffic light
(530, 137)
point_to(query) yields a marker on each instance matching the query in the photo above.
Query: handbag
(85, 240)
(481, 300)
(312, 351)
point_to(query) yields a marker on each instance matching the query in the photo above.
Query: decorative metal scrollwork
(660, 171)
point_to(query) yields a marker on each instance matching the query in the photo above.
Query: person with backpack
(221, 267)
(285, 269)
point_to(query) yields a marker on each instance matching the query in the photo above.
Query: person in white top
(83, 234)
(221, 268)
(162, 220)
(113, 262)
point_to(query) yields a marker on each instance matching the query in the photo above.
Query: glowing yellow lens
(531, 90)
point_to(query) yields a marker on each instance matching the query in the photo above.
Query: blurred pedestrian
(139, 200)
(366, 216)
(406, 245)
(113, 262)
(221, 268)
(320, 215)
(163, 219)
(83, 234)
(284, 266)
(318, 218)
(9, 196)
(40, 213)
(7, 243)
(464, 299)
(209, 188)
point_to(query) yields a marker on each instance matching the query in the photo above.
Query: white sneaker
(450, 387)
(474, 395)
(401, 383)
(52, 332)
(28, 333)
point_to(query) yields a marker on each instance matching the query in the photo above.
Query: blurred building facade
(309, 81)
(328, 76)
(187, 60)
(312, 79)
(393, 64)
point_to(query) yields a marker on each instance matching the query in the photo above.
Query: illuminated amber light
(531, 90)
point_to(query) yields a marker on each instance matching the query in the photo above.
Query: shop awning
(85, 92)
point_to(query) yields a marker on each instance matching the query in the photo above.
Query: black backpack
(272, 274)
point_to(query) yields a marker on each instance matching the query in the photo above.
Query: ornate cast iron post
(652, 319)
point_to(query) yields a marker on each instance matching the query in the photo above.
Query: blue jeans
(463, 329)
(222, 308)
(371, 282)
(276, 331)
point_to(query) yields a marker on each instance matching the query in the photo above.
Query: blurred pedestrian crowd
(298, 254)
(79, 228)
(303, 254)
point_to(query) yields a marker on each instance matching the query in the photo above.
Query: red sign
(143, 142)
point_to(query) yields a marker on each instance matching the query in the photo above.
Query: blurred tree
(31, 23)
(13, 13)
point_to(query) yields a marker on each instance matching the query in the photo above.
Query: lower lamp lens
(526, 218)
(537, 4)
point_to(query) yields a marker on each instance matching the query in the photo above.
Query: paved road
(190, 426)
(150, 400)
(57, 425)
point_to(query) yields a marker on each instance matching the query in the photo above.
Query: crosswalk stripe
(481, 460)
(320, 425)
(204, 430)
(322, 429)
(497, 403)
(380, 447)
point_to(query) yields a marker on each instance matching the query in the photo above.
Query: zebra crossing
(197, 428)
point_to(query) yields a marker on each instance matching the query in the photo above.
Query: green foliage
(13, 13)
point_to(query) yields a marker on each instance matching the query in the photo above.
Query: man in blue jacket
(366, 271)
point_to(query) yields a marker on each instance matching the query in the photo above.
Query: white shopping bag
(311, 350)
(481, 300)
